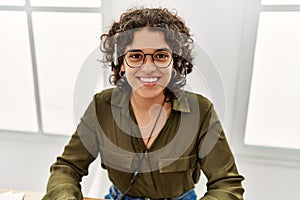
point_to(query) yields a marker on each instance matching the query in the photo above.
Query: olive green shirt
(192, 140)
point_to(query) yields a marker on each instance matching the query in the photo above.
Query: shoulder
(112, 96)
(204, 102)
(104, 95)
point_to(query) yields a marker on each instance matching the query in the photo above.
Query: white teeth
(149, 80)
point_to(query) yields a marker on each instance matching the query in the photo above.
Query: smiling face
(148, 80)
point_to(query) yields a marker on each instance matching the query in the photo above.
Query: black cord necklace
(136, 171)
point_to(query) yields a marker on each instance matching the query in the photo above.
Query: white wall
(25, 159)
(217, 26)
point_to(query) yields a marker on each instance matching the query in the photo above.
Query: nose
(147, 59)
(148, 65)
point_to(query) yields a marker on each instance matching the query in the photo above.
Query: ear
(122, 68)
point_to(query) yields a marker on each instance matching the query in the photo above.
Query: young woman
(153, 137)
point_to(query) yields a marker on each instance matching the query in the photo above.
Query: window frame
(28, 9)
(265, 154)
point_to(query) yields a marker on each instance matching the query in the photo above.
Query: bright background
(254, 48)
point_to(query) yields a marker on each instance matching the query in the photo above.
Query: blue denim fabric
(115, 194)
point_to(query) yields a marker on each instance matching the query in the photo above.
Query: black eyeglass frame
(150, 54)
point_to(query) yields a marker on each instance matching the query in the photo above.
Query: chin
(148, 93)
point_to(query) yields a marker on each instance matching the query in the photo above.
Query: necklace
(136, 171)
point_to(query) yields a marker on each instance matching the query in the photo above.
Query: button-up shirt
(192, 140)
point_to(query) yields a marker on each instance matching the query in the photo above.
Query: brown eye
(135, 56)
(162, 55)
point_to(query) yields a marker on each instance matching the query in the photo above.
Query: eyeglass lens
(136, 58)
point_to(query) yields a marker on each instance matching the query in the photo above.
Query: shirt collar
(121, 98)
(181, 103)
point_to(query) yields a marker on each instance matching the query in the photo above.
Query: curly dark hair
(177, 36)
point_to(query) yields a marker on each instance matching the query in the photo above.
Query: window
(270, 70)
(43, 47)
(280, 2)
(67, 3)
(17, 105)
(275, 88)
(12, 2)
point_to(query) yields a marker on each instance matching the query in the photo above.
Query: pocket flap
(177, 164)
(116, 160)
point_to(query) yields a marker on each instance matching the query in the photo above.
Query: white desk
(27, 195)
(35, 195)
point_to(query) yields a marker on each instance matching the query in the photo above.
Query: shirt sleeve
(72, 165)
(217, 162)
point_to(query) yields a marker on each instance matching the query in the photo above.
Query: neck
(144, 104)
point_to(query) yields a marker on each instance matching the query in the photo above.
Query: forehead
(145, 38)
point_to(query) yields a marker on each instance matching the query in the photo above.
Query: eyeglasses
(161, 58)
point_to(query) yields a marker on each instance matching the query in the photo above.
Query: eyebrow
(140, 50)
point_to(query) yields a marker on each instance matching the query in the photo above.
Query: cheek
(130, 76)
(169, 74)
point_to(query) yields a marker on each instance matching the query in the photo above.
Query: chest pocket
(116, 160)
(178, 164)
